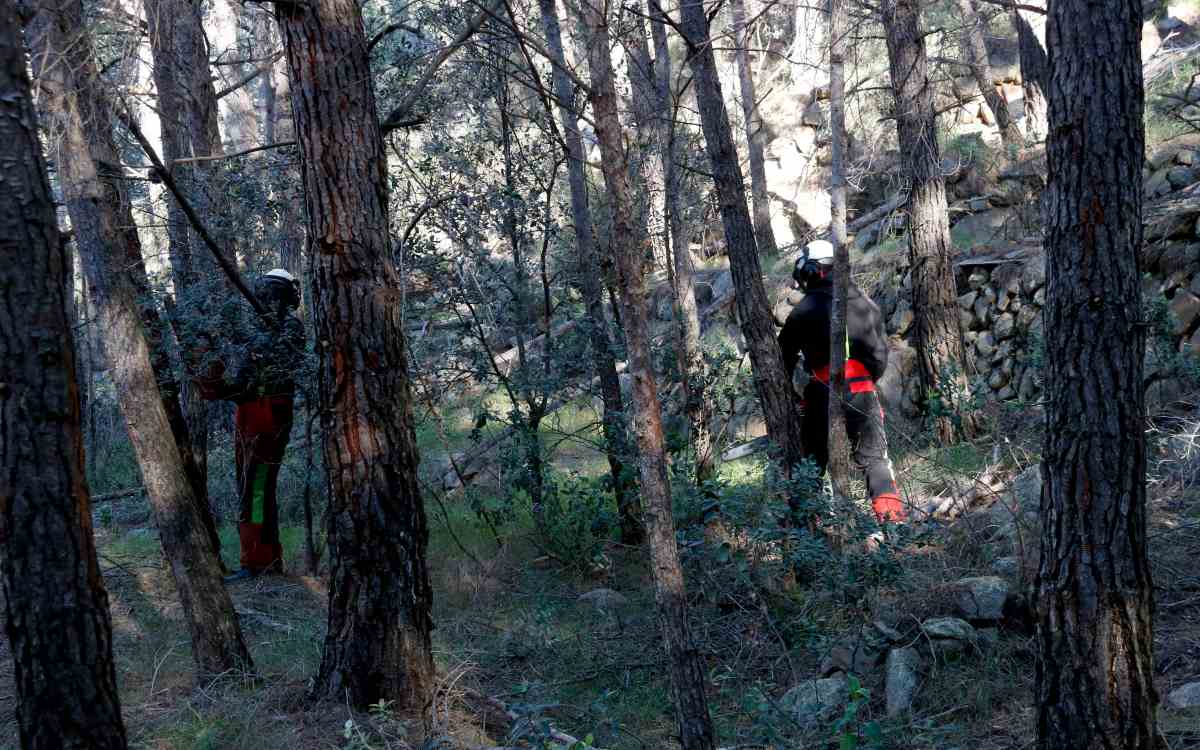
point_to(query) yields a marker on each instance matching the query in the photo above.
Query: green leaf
(873, 732)
(848, 742)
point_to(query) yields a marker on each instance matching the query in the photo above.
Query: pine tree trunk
(975, 51)
(187, 110)
(629, 250)
(755, 135)
(1095, 674)
(754, 311)
(616, 440)
(697, 396)
(56, 608)
(1034, 71)
(839, 440)
(94, 193)
(939, 341)
(378, 646)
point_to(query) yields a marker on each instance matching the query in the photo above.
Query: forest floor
(511, 625)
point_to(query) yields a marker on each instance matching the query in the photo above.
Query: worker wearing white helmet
(807, 333)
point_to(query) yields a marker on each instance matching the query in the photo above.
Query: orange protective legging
(261, 428)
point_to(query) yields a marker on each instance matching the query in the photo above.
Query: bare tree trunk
(1095, 674)
(629, 249)
(770, 380)
(80, 132)
(839, 441)
(697, 397)
(939, 341)
(56, 608)
(187, 107)
(616, 439)
(378, 646)
(755, 135)
(975, 51)
(1034, 70)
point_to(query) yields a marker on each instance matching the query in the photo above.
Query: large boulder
(1186, 696)
(903, 677)
(1185, 308)
(1004, 327)
(981, 597)
(814, 701)
(949, 635)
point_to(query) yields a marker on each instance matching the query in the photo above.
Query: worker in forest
(265, 355)
(806, 335)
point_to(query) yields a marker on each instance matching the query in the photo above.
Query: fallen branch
(118, 495)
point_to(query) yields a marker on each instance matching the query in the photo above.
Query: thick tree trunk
(616, 439)
(1095, 674)
(629, 250)
(647, 173)
(839, 440)
(754, 311)
(378, 646)
(755, 135)
(56, 608)
(975, 51)
(79, 132)
(187, 107)
(697, 396)
(1034, 70)
(939, 341)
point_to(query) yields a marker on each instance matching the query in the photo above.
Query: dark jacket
(807, 331)
(268, 359)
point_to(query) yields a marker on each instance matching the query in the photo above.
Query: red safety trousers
(261, 431)
(864, 426)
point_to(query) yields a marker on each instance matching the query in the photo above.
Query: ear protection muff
(815, 263)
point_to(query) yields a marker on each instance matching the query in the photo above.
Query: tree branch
(400, 113)
(226, 266)
(234, 155)
(247, 79)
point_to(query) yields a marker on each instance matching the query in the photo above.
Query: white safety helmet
(815, 262)
(279, 284)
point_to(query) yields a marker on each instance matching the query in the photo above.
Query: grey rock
(1185, 696)
(1004, 327)
(1181, 177)
(948, 628)
(985, 344)
(1003, 302)
(978, 203)
(1039, 298)
(902, 319)
(1157, 184)
(967, 301)
(981, 597)
(1033, 276)
(815, 700)
(997, 380)
(1185, 308)
(902, 678)
(1026, 317)
(978, 278)
(1027, 390)
(1026, 488)
(1006, 566)
(887, 632)
(1007, 393)
(983, 310)
(1185, 157)
(854, 658)
(982, 227)
(814, 115)
(605, 599)
(1194, 287)
(966, 320)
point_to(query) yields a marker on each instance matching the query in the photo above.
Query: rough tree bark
(839, 440)
(630, 250)
(616, 438)
(378, 646)
(1095, 674)
(1034, 69)
(79, 131)
(939, 342)
(187, 107)
(755, 135)
(976, 54)
(697, 396)
(56, 608)
(754, 311)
